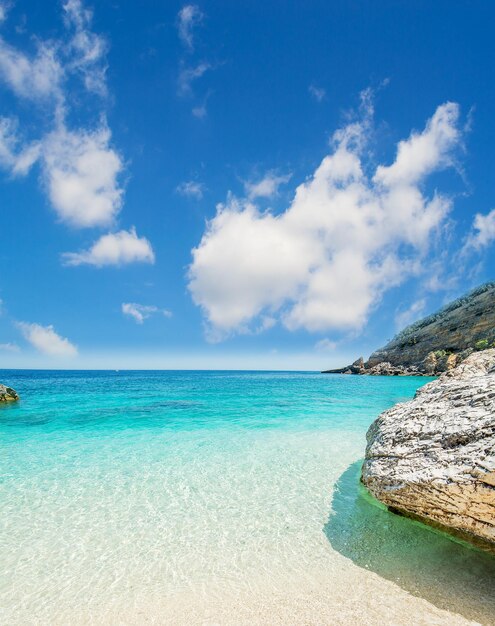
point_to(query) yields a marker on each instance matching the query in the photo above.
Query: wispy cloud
(3, 11)
(88, 50)
(187, 75)
(325, 345)
(118, 249)
(32, 78)
(9, 347)
(46, 340)
(482, 232)
(347, 237)
(189, 16)
(191, 189)
(318, 93)
(141, 312)
(266, 187)
(15, 155)
(200, 111)
(411, 314)
(191, 69)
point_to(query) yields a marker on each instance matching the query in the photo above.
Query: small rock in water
(7, 394)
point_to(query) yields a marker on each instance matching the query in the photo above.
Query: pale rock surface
(7, 394)
(433, 458)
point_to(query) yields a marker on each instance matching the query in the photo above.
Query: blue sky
(239, 185)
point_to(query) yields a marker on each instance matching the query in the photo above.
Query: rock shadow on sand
(422, 561)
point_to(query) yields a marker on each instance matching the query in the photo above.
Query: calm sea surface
(213, 498)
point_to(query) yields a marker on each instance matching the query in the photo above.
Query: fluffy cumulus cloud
(119, 248)
(189, 16)
(141, 312)
(482, 233)
(46, 340)
(266, 187)
(347, 236)
(81, 171)
(80, 168)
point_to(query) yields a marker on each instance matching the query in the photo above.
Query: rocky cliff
(438, 342)
(433, 458)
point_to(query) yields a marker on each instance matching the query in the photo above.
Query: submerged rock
(7, 394)
(433, 458)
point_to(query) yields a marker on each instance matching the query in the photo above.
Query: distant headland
(437, 343)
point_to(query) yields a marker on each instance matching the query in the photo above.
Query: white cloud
(80, 168)
(87, 49)
(266, 187)
(191, 189)
(81, 171)
(423, 152)
(3, 11)
(482, 233)
(119, 248)
(18, 160)
(189, 16)
(140, 312)
(187, 75)
(190, 71)
(410, 315)
(345, 239)
(46, 340)
(9, 347)
(318, 93)
(42, 75)
(32, 78)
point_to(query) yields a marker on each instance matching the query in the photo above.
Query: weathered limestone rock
(358, 366)
(7, 394)
(433, 458)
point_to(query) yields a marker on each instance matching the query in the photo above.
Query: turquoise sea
(213, 498)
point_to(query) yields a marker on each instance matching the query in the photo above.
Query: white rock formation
(433, 458)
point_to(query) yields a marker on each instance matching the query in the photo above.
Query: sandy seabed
(129, 520)
(354, 597)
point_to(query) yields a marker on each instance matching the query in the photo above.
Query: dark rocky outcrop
(433, 458)
(7, 394)
(438, 342)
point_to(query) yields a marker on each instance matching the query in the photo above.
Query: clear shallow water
(131, 497)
